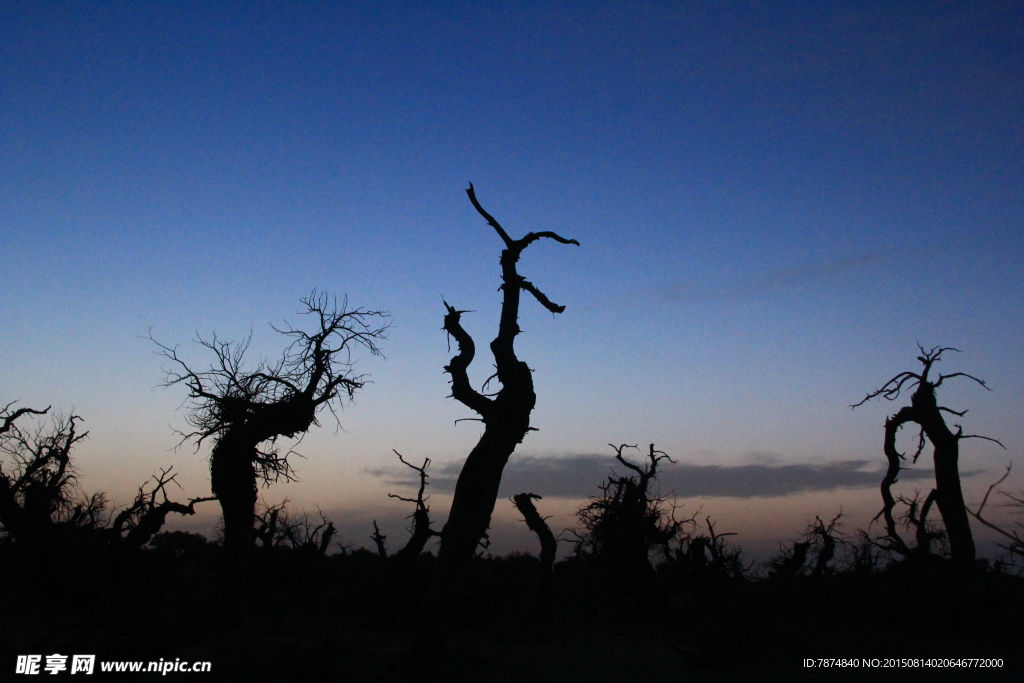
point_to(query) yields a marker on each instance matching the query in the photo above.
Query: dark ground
(325, 619)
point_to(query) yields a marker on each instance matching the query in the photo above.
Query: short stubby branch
(541, 297)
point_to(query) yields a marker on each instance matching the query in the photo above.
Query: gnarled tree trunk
(233, 480)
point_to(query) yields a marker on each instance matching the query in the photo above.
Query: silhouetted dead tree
(279, 527)
(14, 484)
(925, 411)
(379, 542)
(421, 532)
(548, 548)
(791, 562)
(306, 534)
(506, 419)
(826, 536)
(404, 559)
(820, 538)
(267, 531)
(724, 565)
(398, 567)
(40, 499)
(627, 521)
(134, 526)
(245, 411)
(38, 492)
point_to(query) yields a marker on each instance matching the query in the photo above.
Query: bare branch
(138, 523)
(618, 456)
(962, 374)
(532, 237)
(489, 218)
(9, 418)
(1016, 546)
(928, 358)
(541, 297)
(992, 487)
(419, 500)
(890, 391)
(960, 435)
(462, 390)
(960, 413)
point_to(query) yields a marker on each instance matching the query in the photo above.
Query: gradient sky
(775, 203)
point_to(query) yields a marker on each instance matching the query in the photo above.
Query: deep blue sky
(775, 203)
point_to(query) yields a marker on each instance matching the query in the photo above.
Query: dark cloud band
(578, 477)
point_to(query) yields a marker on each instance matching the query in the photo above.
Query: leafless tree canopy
(38, 483)
(271, 400)
(40, 496)
(8, 417)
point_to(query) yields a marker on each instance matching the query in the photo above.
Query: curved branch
(532, 237)
(892, 425)
(891, 389)
(462, 391)
(962, 374)
(959, 435)
(10, 418)
(509, 243)
(618, 456)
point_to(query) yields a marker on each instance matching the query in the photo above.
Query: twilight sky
(775, 203)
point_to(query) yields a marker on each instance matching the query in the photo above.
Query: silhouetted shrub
(627, 522)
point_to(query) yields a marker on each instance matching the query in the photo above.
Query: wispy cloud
(757, 284)
(578, 476)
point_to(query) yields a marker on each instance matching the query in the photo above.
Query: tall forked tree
(925, 411)
(506, 419)
(245, 411)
